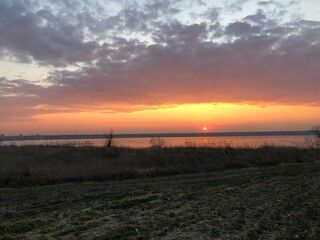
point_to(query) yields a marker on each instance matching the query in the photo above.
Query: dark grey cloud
(265, 3)
(241, 29)
(147, 59)
(236, 6)
(179, 34)
(259, 18)
(41, 35)
(212, 14)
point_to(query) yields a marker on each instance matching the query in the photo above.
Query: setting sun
(204, 128)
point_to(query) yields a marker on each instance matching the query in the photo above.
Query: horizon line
(151, 135)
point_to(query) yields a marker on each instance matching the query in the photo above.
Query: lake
(235, 141)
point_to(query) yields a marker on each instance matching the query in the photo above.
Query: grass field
(63, 192)
(280, 202)
(32, 165)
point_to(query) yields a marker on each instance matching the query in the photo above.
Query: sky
(148, 66)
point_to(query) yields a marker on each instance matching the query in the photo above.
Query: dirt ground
(280, 202)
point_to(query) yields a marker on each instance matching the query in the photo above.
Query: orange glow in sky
(181, 118)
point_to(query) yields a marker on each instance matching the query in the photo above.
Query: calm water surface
(255, 141)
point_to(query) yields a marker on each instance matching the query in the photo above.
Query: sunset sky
(148, 66)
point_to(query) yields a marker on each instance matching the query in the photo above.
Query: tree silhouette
(109, 138)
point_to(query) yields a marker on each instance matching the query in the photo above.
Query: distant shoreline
(151, 135)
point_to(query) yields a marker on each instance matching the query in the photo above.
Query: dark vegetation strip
(31, 165)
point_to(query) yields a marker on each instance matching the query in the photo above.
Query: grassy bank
(280, 202)
(30, 165)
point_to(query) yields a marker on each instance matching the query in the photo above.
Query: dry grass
(30, 165)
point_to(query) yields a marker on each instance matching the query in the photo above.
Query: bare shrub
(190, 144)
(109, 138)
(314, 141)
(86, 143)
(157, 142)
(316, 131)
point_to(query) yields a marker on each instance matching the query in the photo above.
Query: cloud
(40, 35)
(265, 3)
(148, 60)
(241, 29)
(236, 6)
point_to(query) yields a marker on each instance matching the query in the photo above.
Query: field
(30, 165)
(273, 199)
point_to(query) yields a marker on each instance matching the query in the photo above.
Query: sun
(204, 129)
